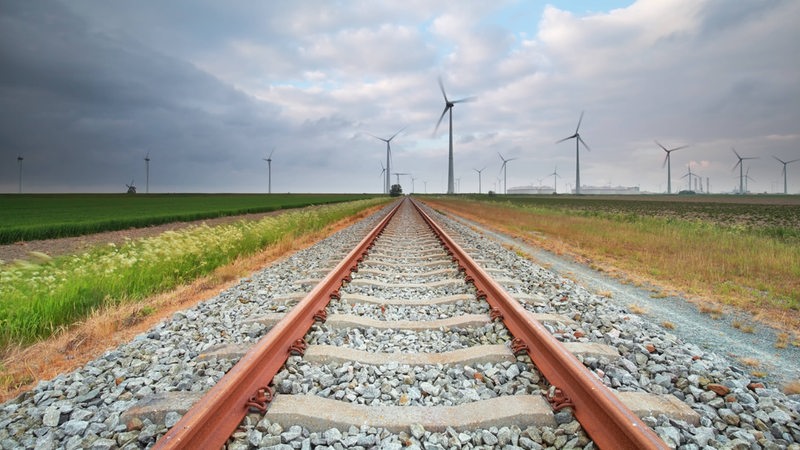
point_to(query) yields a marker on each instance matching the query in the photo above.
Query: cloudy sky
(209, 88)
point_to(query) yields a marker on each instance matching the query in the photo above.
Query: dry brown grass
(636, 309)
(605, 294)
(21, 367)
(792, 387)
(668, 325)
(724, 270)
(750, 362)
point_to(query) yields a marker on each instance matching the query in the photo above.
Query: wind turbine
(504, 168)
(412, 183)
(397, 174)
(741, 168)
(147, 172)
(479, 178)
(785, 163)
(689, 174)
(19, 163)
(268, 159)
(667, 162)
(448, 106)
(578, 142)
(385, 175)
(555, 175)
(747, 179)
(388, 155)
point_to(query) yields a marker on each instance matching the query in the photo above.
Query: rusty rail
(609, 423)
(214, 418)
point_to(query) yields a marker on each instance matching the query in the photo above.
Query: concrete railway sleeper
(409, 335)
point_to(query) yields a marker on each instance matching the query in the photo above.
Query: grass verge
(750, 271)
(38, 300)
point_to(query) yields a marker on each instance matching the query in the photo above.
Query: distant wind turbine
(555, 175)
(388, 155)
(785, 163)
(479, 178)
(384, 175)
(741, 168)
(268, 159)
(747, 180)
(147, 172)
(504, 168)
(578, 142)
(397, 174)
(448, 106)
(667, 162)
(19, 163)
(690, 175)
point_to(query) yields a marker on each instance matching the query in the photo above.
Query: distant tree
(491, 193)
(396, 190)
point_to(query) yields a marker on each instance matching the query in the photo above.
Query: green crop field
(44, 216)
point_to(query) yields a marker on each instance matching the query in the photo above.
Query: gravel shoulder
(718, 335)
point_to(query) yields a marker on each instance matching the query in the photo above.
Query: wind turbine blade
(659, 144)
(377, 137)
(735, 153)
(565, 139)
(666, 158)
(584, 143)
(444, 94)
(780, 160)
(501, 156)
(794, 160)
(579, 123)
(465, 99)
(398, 132)
(678, 148)
(440, 120)
(736, 165)
(270, 153)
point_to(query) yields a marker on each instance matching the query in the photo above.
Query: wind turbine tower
(785, 163)
(268, 159)
(385, 178)
(555, 175)
(504, 168)
(667, 162)
(479, 178)
(19, 163)
(388, 155)
(689, 174)
(448, 106)
(741, 168)
(578, 142)
(147, 173)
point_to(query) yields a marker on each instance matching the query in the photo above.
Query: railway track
(408, 334)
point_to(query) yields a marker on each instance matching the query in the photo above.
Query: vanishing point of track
(410, 237)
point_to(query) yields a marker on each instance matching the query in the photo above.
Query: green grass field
(44, 216)
(39, 298)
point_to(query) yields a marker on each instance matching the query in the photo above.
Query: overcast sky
(210, 88)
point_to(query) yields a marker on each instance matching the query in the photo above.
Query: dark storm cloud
(85, 107)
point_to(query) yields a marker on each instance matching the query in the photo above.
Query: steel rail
(213, 419)
(609, 423)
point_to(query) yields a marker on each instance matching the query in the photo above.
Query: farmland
(736, 251)
(40, 298)
(45, 216)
